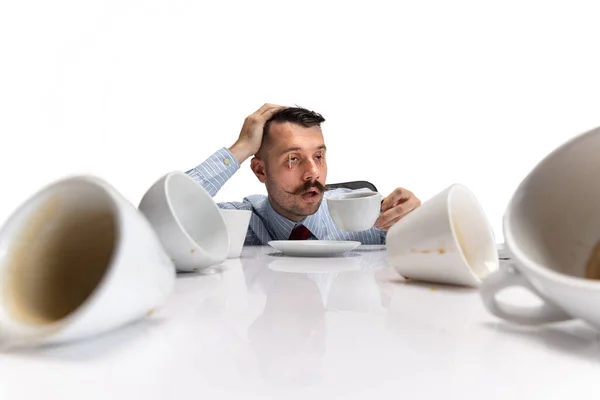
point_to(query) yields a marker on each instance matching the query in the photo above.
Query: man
(290, 159)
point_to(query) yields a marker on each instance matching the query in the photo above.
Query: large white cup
(448, 239)
(237, 222)
(76, 260)
(187, 221)
(552, 230)
(356, 211)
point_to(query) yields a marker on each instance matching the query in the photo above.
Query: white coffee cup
(552, 230)
(237, 222)
(448, 239)
(187, 221)
(356, 211)
(77, 260)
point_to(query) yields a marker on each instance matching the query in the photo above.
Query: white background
(416, 94)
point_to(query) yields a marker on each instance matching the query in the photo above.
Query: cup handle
(509, 276)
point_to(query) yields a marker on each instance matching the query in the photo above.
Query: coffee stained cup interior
(592, 268)
(59, 256)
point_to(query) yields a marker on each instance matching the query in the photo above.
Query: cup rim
(202, 192)
(519, 257)
(458, 186)
(341, 197)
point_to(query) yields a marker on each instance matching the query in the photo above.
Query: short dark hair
(295, 115)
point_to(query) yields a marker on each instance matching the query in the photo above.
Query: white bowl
(187, 221)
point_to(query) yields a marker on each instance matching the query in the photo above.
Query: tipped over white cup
(77, 260)
(552, 231)
(448, 239)
(187, 220)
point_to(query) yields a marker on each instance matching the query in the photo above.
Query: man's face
(294, 169)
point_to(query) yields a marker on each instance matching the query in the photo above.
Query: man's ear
(259, 168)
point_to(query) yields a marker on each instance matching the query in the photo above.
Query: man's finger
(269, 108)
(263, 108)
(398, 196)
(391, 223)
(269, 112)
(394, 214)
(389, 215)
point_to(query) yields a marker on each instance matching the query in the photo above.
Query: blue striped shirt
(266, 224)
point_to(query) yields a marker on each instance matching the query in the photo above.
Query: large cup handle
(506, 277)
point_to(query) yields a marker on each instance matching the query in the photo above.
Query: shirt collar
(282, 227)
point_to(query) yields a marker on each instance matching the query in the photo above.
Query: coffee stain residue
(429, 251)
(57, 260)
(592, 268)
(192, 250)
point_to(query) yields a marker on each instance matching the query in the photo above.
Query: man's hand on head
(394, 207)
(251, 134)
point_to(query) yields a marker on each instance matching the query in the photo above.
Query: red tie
(300, 233)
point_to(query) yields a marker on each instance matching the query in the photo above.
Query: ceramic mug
(77, 260)
(448, 239)
(237, 222)
(552, 231)
(187, 220)
(356, 211)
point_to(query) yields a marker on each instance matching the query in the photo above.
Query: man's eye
(292, 161)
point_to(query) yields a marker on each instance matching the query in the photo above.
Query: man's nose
(312, 171)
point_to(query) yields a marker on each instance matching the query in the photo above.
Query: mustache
(308, 185)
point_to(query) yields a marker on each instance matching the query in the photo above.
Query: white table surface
(258, 327)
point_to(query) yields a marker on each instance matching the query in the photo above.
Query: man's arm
(219, 167)
(215, 170)
(382, 235)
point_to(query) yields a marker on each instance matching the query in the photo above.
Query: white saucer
(313, 248)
